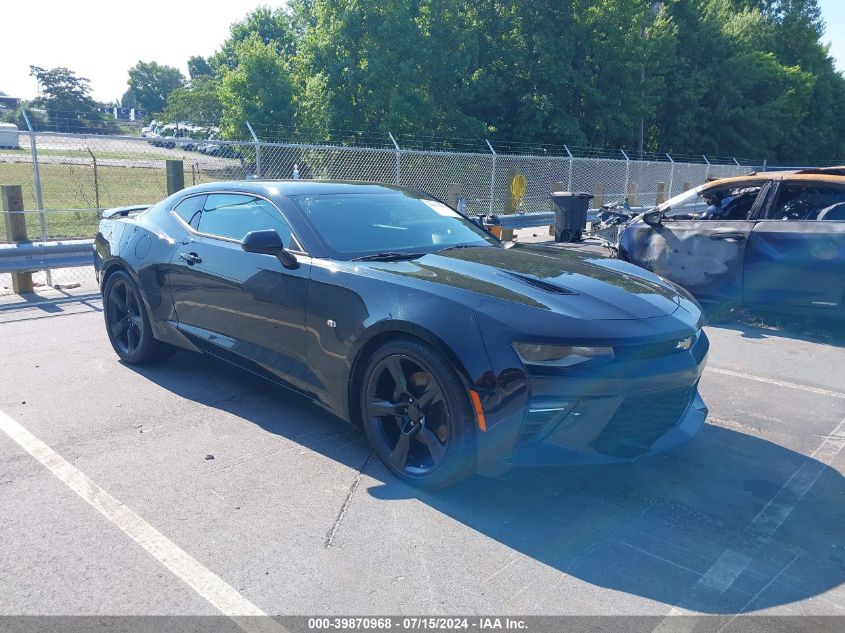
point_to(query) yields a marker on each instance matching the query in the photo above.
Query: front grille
(651, 350)
(641, 420)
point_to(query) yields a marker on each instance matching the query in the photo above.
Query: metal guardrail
(33, 256)
(526, 220)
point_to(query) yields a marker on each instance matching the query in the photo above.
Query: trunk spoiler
(122, 212)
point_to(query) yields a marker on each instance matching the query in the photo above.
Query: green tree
(723, 77)
(198, 66)
(198, 102)
(129, 100)
(621, 69)
(383, 66)
(258, 89)
(516, 44)
(797, 30)
(67, 100)
(271, 26)
(733, 89)
(150, 84)
(37, 118)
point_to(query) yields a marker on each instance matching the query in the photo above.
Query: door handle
(737, 237)
(190, 258)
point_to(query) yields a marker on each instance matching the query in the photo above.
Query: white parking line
(724, 571)
(778, 383)
(779, 507)
(199, 578)
(729, 566)
(672, 623)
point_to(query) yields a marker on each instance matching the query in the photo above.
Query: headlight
(559, 355)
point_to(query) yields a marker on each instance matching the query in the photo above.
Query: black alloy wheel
(123, 317)
(127, 323)
(417, 415)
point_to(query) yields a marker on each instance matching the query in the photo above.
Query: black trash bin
(570, 209)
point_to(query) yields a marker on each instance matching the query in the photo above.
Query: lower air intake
(641, 420)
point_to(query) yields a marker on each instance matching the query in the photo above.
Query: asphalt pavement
(191, 488)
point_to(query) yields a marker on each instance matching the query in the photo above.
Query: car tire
(127, 323)
(417, 414)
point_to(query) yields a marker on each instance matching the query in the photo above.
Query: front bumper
(622, 436)
(618, 411)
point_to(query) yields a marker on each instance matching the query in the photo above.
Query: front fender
(350, 314)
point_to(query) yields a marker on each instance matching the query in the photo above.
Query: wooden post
(175, 176)
(687, 186)
(453, 195)
(558, 186)
(599, 197)
(632, 194)
(15, 222)
(661, 193)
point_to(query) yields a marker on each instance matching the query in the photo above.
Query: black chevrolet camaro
(455, 353)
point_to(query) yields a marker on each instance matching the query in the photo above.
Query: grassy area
(67, 186)
(71, 197)
(63, 224)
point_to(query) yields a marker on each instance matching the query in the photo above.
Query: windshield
(730, 201)
(686, 202)
(354, 225)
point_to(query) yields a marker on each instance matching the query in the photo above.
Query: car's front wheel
(417, 414)
(127, 323)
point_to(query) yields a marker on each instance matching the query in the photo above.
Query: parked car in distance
(213, 147)
(773, 241)
(395, 312)
(149, 130)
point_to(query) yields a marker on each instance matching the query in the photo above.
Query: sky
(833, 12)
(101, 39)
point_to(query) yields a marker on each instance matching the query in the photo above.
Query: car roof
(833, 175)
(270, 188)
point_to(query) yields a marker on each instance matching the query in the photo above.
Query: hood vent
(540, 284)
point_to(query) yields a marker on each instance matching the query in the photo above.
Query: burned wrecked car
(771, 241)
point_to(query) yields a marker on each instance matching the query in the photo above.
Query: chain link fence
(67, 179)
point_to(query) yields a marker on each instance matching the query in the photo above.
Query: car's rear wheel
(417, 414)
(127, 323)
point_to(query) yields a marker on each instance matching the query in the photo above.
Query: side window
(729, 204)
(234, 215)
(687, 206)
(809, 202)
(722, 203)
(189, 210)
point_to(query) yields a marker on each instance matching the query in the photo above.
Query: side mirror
(269, 242)
(653, 218)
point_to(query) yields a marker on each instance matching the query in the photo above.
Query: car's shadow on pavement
(727, 523)
(757, 326)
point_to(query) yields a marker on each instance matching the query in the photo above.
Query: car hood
(561, 280)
